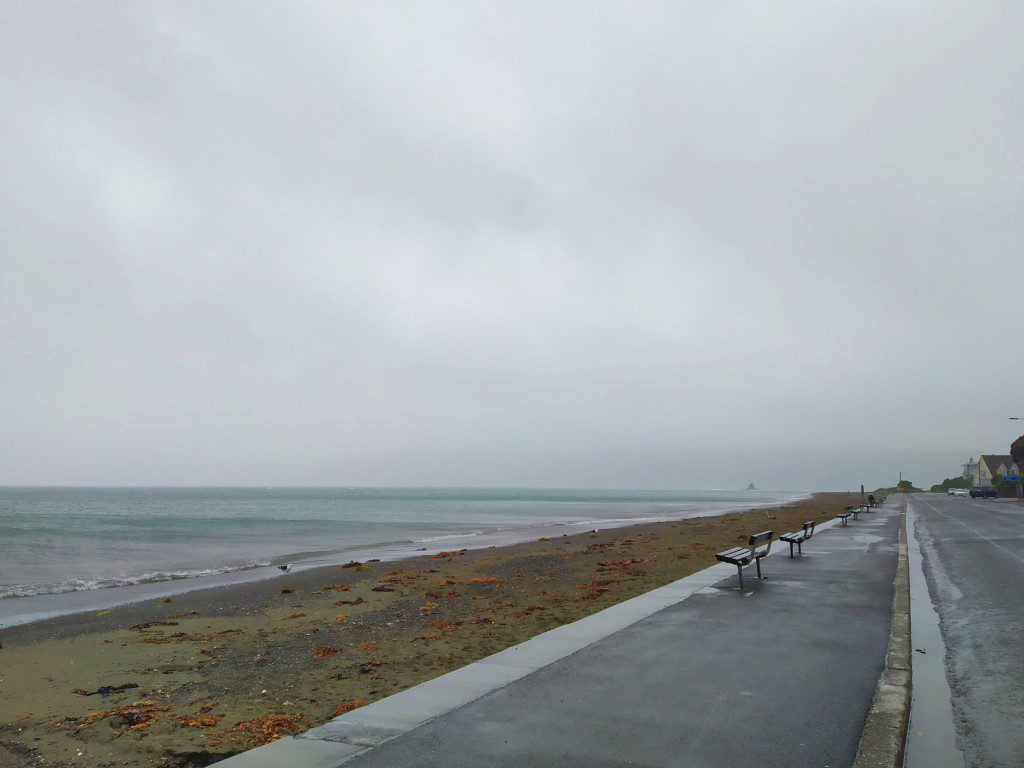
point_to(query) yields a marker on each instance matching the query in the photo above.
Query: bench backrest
(760, 543)
(809, 528)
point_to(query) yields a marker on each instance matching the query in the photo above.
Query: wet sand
(217, 671)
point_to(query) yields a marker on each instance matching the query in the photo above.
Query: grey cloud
(669, 244)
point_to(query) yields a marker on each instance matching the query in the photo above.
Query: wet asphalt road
(973, 554)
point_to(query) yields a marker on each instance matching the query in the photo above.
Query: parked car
(985, 493)
(956, 492)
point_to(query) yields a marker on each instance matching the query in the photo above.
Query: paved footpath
(693, 674)
(972, 555)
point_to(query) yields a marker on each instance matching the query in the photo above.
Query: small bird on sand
(285, 568)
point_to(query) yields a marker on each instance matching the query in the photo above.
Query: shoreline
(213, 672)
(15, 611)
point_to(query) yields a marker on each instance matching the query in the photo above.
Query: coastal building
(971, 471)
(993, 465)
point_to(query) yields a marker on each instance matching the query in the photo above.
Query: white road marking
(977, 533)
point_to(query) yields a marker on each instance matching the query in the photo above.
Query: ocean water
(63, 540)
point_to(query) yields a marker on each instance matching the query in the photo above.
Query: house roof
(993, 460)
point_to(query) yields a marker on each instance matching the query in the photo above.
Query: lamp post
(1020, 484)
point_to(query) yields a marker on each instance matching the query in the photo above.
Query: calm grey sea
(55, 540)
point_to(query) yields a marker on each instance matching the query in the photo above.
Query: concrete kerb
(884, 737)
(346, 736)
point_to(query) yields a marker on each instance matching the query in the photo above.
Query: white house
(992, 465)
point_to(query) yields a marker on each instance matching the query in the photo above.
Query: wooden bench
(845, 515)
(759, 546)
(798, 537)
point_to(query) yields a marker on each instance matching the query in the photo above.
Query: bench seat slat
(736, 551)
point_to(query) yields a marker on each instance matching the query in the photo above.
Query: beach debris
(526, 611)
(357, 601)
(286, 591)
(482, 620)
(382, 588)
(340, 617)
(263, 730)
(168, 600)
(445, 626)
(485, 580)
(443, 595)
(351, 564)
(137, 716)
(335, 587)
(148, 624)
(286, 568)
(182, 637)
(443, 554)
(597, 584)
(298, 615)
(182, 615)
(324, 651)
(369, 647)
(198, 721)
(624, 565)
(347, 706)
(105, 690)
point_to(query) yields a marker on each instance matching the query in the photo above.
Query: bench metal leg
(799, 547)
(791, 549)
(739, 572)
(757, 561)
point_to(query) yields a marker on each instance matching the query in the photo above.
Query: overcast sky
(668, 245)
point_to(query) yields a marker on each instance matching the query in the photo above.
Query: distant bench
(759, 546)
(798, 537)
(851, 512)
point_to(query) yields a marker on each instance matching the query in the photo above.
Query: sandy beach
(190, 680)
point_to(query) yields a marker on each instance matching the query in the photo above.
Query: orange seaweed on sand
(182, 637)
(336, 587)
(182, 615)
(137, 716)
(298, 615)
(485, 580)
(324, 651)
(263, 730)
(524, 611)
(340, 617)
(442, 554)
(369, 647)
(596, 584)
(189, 721)
(445, 626)
(357, 601)
(347, 706)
